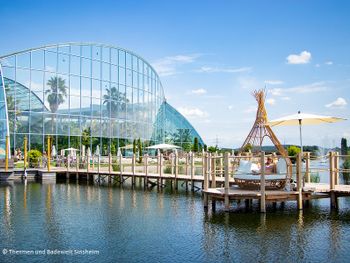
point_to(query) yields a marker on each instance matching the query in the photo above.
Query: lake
(70, 222)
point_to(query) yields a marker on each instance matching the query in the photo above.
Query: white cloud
(198, 91)
(250, 109)
(301, 89)
(230, 107)
(192, 112)
(248, 83)
(168, 66)
(317, 65)
(285, 98)
(273, 82)
(338, 103)
(329, 63)
(205, 69)
(303, 58)
(271, 101)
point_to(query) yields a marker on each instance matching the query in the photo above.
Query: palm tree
(56, 94)
(114, 101)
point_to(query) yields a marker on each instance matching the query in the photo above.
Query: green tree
(183, 139)
(134, 147)
(195, 145)
(212, 149)
(205, 147)
(344, 146)
(139, 146)
(115, 101)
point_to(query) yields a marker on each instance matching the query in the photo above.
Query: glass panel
(96, 88)
(105, 129)
(50, 61)
(135, 79)
(37, 80)
(85, 106)
(22, 123)
(121, 58)
(36, 142)
(36, 101)
(96, 52)
(75, 65)
(75, 105)
(75, 50)
(86, 51)
(23, 77)
(23, 60)
(63, 63)
(49, 123)
(114, 73)
(96, 107)
(96, 69)
(128, 78)
(135, 63)
(75, 125)
(86, 87)
(105, 71)
(9, 61)
(62, 122)
(114, 56)
(106, 54)
(128, 61)
(122, 76)
(38, 59)
(86, 67)
(95, 127)
(75, 85)
(63, 49)
(36, 123)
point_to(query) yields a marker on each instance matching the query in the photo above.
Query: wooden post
(336, 168)
(172, 160)
(88, 162)
(93, 162)
(203, 162)
(186, 164)
(99, 163)
(145, 159)
(121, 164)
(220, 165)
(25, 151)
(176, 169)
(334, 203)
(109, 163)
(161, 169)
(262, 184)
(48, 153)
(227, 180)
(7, 153)
(331, 171)
(77, 167)
(68, 162)
(192, 156)
(307, 167)
(213, 171)
(299, 181)
(205, 174)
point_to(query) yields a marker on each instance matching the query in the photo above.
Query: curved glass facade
(80, 94)
(175, 128)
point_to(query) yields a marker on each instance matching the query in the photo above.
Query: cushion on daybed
(281, 166)
(244, 167)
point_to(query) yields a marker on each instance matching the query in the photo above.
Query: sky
(211, 55)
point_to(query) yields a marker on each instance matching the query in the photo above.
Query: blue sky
(210, 55)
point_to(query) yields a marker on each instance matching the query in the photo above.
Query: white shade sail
(164, 146)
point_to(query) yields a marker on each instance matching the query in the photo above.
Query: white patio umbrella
(97, 151)
(53, 151)
(303, 119)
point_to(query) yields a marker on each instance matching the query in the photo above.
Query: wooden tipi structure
(261, 129)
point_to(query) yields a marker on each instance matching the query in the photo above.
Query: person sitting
(269, 166)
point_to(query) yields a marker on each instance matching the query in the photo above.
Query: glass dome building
(85, 94)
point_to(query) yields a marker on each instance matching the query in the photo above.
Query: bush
(167, 170)
(115, 167)
(34, 158)
(293, 151)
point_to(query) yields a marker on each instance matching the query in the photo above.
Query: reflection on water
(140, 225)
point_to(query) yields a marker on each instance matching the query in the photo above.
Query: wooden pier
(214, 174)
